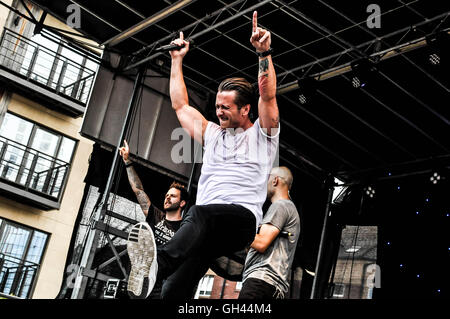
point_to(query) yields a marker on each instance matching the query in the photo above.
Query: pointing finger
(125, 143)
(181, 35)
(255, 21)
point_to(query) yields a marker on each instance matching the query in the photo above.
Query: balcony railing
(32, 170)
(17, 276)
(37, 63)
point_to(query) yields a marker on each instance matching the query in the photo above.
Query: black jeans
(206, 232)
(254, 288)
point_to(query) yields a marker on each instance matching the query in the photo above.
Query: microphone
(286, 234)
(171, 47)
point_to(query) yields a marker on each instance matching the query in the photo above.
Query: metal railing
(17, 276)
(40, 64)
(32, 169)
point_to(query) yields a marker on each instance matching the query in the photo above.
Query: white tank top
(236, 165)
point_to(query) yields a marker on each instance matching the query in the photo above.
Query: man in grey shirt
(270, 257)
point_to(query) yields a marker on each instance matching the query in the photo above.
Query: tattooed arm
(267, 80)
(135, 181)
(138, 190)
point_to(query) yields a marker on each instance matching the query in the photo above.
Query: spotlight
(435, 178)
(370, 192)
(362, 70)
(307, 87)
(356, 82)
(302, 99)
(434, 59)
(439, 44)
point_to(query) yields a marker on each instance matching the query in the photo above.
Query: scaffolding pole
(315, 292)
(94, 234)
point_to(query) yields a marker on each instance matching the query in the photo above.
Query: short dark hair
(184, 195)
(245, 92)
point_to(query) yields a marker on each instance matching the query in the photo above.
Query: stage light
(434, 59)
(302, 99)
(435, 178)
(356, 82)
(362, 70)
(439, 44)
(370, 192)
(306, 89)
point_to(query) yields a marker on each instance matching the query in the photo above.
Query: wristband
(129, 164)
(265, 53)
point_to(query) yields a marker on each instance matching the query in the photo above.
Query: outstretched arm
(135, 181)
(190, 118)
(267, 80)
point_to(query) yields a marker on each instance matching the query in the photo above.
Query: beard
(173, 206)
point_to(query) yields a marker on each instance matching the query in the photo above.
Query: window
(48, 59)
(21, 251)
(356, 262)
(205, 286)
(34, 156)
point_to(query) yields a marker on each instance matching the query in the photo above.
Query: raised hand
(260, 38)
(124, 151)
(182, 52)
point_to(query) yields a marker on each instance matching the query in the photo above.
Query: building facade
(44, 87)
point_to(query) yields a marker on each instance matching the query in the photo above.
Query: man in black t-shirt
(163, 223)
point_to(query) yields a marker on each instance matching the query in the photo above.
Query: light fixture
(434, 59)
(362, 70)
(435, 178)
(356, 82)
(439, 44)
(302, 98)
(307, 87)
(370, 191)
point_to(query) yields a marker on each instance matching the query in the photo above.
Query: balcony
(17, 277)
(51, 76)
(30, 175)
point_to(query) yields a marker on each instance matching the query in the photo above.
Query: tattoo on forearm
(133, 178)
(263, 66)
(143, 200)
(138, 189)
